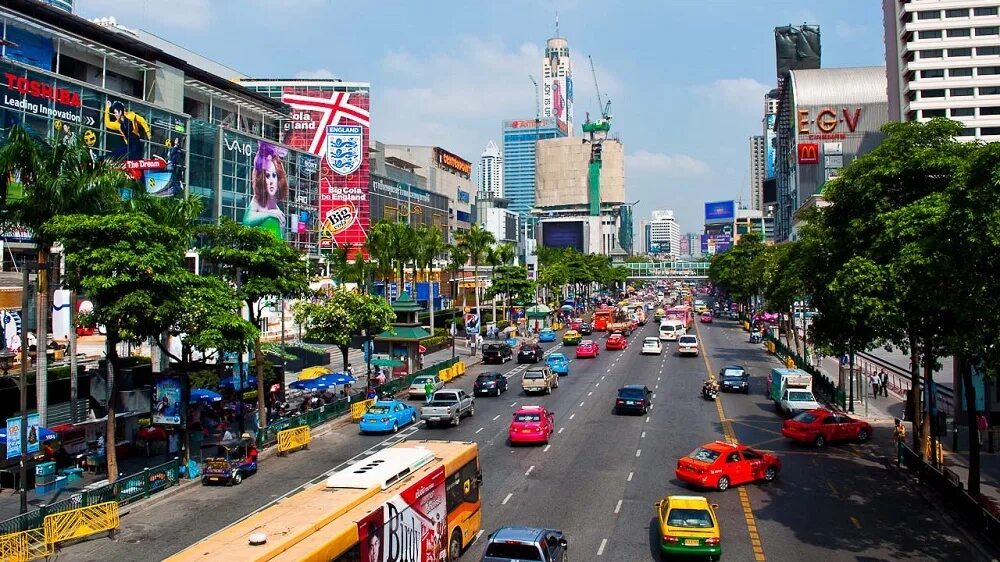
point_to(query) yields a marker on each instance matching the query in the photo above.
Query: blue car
(387, 415)
(547, 335)
(559, 363)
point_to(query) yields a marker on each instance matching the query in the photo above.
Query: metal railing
(900, 380)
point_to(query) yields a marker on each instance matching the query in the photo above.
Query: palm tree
(475, 242)
(404, 248)
(46, 180)
(430, 245)
(505, 254)
(457, 260)
(380, 247)
(494, 261)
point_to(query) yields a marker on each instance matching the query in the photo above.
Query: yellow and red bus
(684, 313)
(416, 500)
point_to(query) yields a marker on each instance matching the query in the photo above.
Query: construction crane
(602, 125)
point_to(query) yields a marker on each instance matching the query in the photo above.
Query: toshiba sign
(808, 153)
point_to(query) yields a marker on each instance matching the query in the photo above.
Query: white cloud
(666, 164)
(183, 14)
(318, 74)
(744, 95)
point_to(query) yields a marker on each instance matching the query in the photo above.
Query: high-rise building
(642, 245)
(943, 60)
(557, 84)
(519, 139)
(491, 171)
(757, 171)
(61, 4)
(447, 174)
(664, 234)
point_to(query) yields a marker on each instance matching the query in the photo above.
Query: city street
(600, 476)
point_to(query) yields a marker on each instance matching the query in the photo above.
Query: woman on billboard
(270, 185)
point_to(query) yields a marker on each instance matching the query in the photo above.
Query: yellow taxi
(701, 309)
(688, 526)
(571, 337)
(659, 314)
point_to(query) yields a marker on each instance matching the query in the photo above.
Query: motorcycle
(709, 393)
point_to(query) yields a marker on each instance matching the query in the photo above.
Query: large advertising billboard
(770, 139)
(712, 244)
(14, 435)
(720, 211)
(268, 190)
(335, 127)
(554, 98)
(412, 526)
(563, 235)
(685, 249)
(169, 407)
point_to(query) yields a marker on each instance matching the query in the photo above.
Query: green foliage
(342, 315)
(735, 271)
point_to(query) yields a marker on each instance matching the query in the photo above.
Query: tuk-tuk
(227, 462)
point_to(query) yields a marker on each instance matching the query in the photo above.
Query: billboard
(335, 127)
(770, 140)
(685, 246)
(712, 244)
(452, 162)
(268, 190)
(808, 153)
(554, 98)
(14, 435)
(411, 526)
(720, 211)
(169, 407)
(563, 235)
(127, 132)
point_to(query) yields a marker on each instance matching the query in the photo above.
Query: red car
(616, 341)
(706, 318)
(575, 324)
(822, 426)
(587, 348)
(720, 465)
(531, 424)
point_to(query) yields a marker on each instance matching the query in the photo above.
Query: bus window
(463, 486)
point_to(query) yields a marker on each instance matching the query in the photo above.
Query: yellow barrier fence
(294, 438)
(358, 409)
(81, 522)
(460, 368)
(446, 374)
(14, 547)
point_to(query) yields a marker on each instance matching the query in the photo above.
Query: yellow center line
(727, 430)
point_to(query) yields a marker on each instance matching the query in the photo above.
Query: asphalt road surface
(598, 479)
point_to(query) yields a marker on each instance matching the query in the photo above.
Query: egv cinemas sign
(450, 161)
(828, 122)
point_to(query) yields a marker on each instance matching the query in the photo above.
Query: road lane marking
(507, 499)
(479, 534)
(528, 472)
(495, 418)
(561, 430)
(600, 549)
(656, 387)
(618, 507)
(647, 419)
(657, 379)
(513, 404)
(602, 377)
(546, 448)
(597, 384)
(581, 404)
(590, 393)
(571, 416)
(478, 430)
(629, 479)
(654, 395)
(638, 452)
(643, 436)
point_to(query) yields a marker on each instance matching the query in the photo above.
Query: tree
(381, 247)
(733, 269)
(457, 258)
(553, 278)
(343, 315)
(259, 266)
(430, 245)
(512, 282)
(474, 243)
(47, 180)
(131, 268)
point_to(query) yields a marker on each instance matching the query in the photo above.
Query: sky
(686, 78)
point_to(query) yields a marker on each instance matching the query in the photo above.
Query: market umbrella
(44, 434)
(422, 349)
(234, 381)
(384, 362)
(152, 434)
(309, 385)
(204, 396)
(314, 372)
(336, 379)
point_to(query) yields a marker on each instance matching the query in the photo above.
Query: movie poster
(168, 400)
(410, 527)
(269, 190)
(335, 127)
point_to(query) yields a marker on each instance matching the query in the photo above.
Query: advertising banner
(471, 321)
(770, 138)
(410, 527)
(720, 211)
(14, 435)
(269, 190)
(335, 127)
(128, 132)
(712, 244)
(554, 101)
(685, 246)
(169, 406)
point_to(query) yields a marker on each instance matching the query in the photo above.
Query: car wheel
(819, 441)
(237, 478)
(472, 410)
(723, 484)
(395, 427)
(770, 473)
(863, 435)
(498, 391)
(457, 420)
(455, 546)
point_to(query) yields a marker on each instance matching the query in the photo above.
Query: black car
(733, 378)
(489, 383)
(513, 544)
(586, 329)
(633, 398)
(530, 353)
(497, 353)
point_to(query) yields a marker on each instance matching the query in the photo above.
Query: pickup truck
(624, 328)
(539, 379)
(448, 406)
(791, 390)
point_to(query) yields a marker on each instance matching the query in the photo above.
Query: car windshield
(513, 551)
(704, 455)
(493, 347)
(805, 417)
(689, 339)
(422, 380)
(694, 518)
(534, 375)
(378, 410)
(801, 396)
(631, 393)
(485, 378)
(651, 341)
(733, 374)
(527, 417)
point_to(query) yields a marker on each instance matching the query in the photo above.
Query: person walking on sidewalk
(883, 381)
(982, 425)
(899, 434)
(874, 380)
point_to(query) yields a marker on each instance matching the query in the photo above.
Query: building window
(969, 132)
(931, 94)
(992, 30)
(963, 111)
(988, 70)
(960, 32)
(959, 72)
(928, 113)
(989, 91)
(966, 52)
(961, 92)
(985, 11)
(989, 131)
(992, 110)
(932, 73)
(929, 34)
(958, 13)
(929, 15)
(987, 51)
(931, 53)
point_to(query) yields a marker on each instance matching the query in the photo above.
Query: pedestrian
(350, 370)
(899, 434)
(983, 426)
(428, 391)
(874, 380)
(883, 380)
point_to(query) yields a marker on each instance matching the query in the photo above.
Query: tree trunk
(479, 311)
(42, 337)
(970, 415)
(111, 456)
(259, 369)
(73, 374)
(344, 350)
(915, 396)
(926, 437)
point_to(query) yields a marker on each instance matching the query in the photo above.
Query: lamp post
(454, 303)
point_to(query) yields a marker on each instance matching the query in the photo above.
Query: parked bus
(417, 497)
(601, 318)
(684, 313)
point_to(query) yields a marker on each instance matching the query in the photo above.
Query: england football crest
(343, 148)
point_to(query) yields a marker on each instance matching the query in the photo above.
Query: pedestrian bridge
(668, 270)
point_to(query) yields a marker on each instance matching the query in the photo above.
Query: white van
(670, 330)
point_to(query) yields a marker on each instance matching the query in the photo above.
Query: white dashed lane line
(638, 452)
(600, 549)
(618, 507)
(571, 416)
(496, 417)
(478, 430)
(528, 472)
(507, 499)
(630, 474)
(546, 448)
(581, 404)
(643, 435)
(561, 430)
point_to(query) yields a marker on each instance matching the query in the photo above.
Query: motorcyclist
(710, 386)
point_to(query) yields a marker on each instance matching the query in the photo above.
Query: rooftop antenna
(557, 22)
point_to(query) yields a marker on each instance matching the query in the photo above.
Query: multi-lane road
(598, 478)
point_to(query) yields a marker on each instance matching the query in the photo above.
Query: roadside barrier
(293, 439)
(81, 522)
(358, 409)
(446, 374)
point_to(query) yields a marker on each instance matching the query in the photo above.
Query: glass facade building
(519, 138)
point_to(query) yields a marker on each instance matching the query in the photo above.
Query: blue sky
(686, 77)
